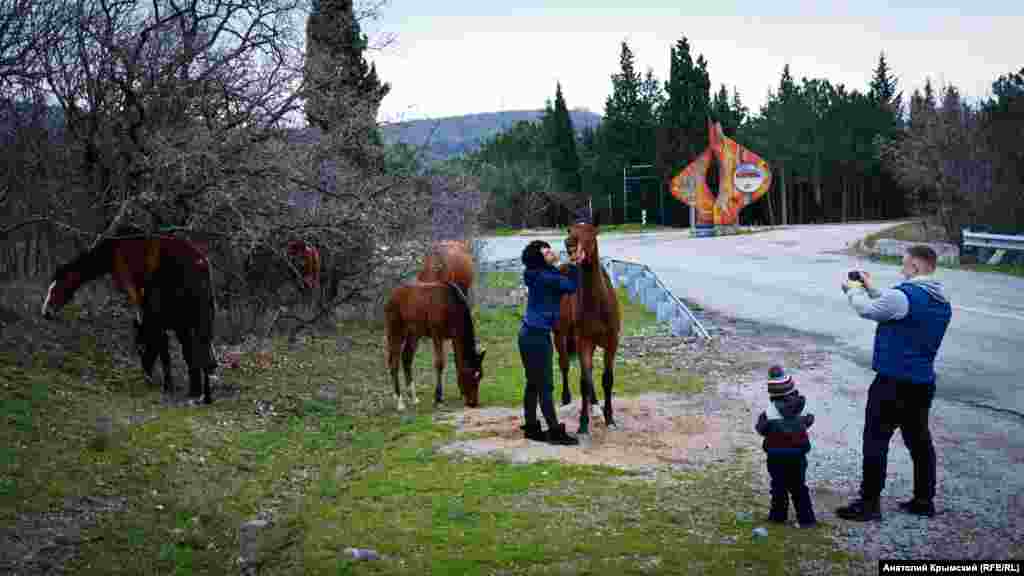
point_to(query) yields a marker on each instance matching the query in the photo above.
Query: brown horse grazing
(448, 261)
(439, 312)
(166, 279)
(588, 319)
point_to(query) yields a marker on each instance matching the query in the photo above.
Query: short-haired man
(912, 320)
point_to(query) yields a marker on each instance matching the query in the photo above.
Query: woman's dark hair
(533, 254)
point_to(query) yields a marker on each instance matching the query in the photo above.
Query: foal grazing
(588, 319)
(440, 312)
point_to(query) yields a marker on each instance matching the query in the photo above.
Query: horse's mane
(468, 332)
(89, 264)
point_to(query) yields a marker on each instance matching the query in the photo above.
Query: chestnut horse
(448, 261)
(589, 318)
(440, 312)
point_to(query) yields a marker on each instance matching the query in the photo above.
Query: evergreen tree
(730, 112)
(344, 89)
(883, 86)
(561, 144)
(688, 102)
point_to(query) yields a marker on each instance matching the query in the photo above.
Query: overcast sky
(453, 57)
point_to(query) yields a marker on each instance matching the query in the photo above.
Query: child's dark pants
(789, 479)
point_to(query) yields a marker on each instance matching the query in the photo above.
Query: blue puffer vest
(905, 349)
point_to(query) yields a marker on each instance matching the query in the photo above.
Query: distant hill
(457, 135)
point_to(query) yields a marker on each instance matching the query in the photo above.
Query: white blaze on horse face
(49, 295)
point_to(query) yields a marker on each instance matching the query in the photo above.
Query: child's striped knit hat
(780, 384)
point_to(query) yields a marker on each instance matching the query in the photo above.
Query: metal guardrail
(997, 241)
(680, 305)
(633, 271)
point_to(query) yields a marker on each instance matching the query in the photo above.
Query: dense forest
(838, 153)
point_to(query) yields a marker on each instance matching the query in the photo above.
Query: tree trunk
(843, 197)
(782, 188)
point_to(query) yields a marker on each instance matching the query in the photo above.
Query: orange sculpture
(743, 177)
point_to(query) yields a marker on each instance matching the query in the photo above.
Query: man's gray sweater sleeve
(879, 305)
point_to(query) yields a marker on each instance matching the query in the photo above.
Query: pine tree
(688, 101)
(884, 95)
(730, 112)
(561, 143)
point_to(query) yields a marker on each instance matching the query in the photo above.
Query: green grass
(351, 472)
(907, 232)
(1011, 269)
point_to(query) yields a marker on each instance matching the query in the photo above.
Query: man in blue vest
(912, 319)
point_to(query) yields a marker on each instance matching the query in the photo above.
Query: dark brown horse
(439, 312)
(168, 281)
(588, 319)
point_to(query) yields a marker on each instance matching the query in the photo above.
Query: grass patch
(1010, 269)
(908, 232)
(350, 472)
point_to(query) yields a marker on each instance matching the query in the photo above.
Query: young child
(786, 442)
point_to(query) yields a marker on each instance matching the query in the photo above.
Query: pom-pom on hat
(780, 384)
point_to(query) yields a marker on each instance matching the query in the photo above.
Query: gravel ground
(980, 452)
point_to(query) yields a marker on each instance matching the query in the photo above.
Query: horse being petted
(180, 275)
(589, 319)
(439, 312)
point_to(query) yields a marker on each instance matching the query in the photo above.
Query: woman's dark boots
(532, 431)
(559, 436)
(556, 435)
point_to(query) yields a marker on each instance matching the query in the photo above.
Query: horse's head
(63, 285)
(583, 235)
(472, 373)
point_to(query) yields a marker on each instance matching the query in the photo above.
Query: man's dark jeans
(536, 351)
(905, 405)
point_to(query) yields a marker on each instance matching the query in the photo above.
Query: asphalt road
(791, 277)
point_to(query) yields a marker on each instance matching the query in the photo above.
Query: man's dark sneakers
(861, 511)
(559, 436)
(925, 508)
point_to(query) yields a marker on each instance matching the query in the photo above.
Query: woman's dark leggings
(536, 351)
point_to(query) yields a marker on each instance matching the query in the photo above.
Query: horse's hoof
(566, 400)
(613, 426)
